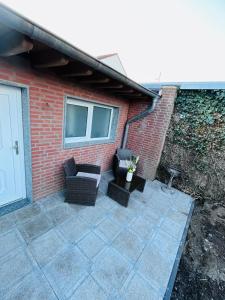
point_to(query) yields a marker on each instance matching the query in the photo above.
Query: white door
(12, 172)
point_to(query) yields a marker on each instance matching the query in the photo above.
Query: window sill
(87, 143)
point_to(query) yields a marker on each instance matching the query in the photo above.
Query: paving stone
(32, 287)
(7, 222)
(93, 215)
(91, 245)
(36, 227)
(166, 245)
(66, 271)
(173, 228)
(108, 229)
(144, 228)
(110, 270)
(123, 215)
(181, 201)
(128, 244)
(177, 216)
(105, 202)
(137, 203)
(45, 247)
(155, 267)
(107, 250)
(60, 213)
(139, 289)
(10, 241)
(51, 202)
(14, 267)
(152, 215)
(89, 289)
(77, 208)
(160, 203)
(26, 213)
(74, 229)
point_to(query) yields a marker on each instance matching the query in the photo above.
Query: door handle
(16, 147)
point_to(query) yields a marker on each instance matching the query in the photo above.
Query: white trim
(90, 106)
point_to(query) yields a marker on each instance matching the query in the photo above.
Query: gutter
(150, 108)
(17, 22)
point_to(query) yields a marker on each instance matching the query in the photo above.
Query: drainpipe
(150, 108)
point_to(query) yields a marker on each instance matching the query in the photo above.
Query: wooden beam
(136, 95)
(48, 59)
(111, 86)
(14, 44)
(78, 73)
(125, 92)
(97, 80)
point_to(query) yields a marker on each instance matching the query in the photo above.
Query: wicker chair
(82, 181)
(119, 160)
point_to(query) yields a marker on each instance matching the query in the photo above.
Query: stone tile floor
(53, 250)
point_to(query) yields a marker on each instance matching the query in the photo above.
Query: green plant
(133, 164)
(199, 120)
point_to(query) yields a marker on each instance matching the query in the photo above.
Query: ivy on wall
(199, 120)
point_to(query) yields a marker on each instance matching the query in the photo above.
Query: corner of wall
(147, 136)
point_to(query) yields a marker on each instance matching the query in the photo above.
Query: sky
(161, 40)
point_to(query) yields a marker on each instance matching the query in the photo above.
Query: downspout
(150, 108)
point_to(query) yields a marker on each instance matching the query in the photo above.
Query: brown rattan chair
(82, 181)
(121, 155)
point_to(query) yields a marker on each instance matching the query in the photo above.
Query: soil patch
(201, 273)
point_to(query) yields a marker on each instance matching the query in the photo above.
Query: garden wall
(195, 143)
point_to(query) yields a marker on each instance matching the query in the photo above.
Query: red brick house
(56, 102)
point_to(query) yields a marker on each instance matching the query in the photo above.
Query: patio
(53, 250)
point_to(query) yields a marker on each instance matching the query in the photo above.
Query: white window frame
(90, 106)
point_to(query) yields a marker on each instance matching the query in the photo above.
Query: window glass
(100, 122)
(76, 120)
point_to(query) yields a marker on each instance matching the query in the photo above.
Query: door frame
(25, 102)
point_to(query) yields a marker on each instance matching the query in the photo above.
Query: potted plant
(132, 168)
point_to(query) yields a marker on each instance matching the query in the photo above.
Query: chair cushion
(124, 164)
(90, 175)
(124, 154)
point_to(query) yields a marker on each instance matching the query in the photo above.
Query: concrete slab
(60, 213)
(139, 289)
(13, 268)
(35, 227)
(129, 245)
(45, 247)
(123, 215)
(7, 222)
(33, 287)
(110, 270)
(89, 289)
(92, 215)
(55, 250)
(144, 228)
(10, 241)
(26, 213)
(155, 267)
(74, 229)
(108, 230)
(66, 271)
(91, 245)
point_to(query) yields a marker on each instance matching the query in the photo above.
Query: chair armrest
(88, 168)
(80, 183)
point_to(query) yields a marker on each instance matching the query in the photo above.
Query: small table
(119, 189)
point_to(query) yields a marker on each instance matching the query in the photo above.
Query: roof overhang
(45, 51)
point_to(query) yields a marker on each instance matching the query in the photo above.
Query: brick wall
(147, 136)
(46, 116)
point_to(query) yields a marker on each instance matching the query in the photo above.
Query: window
(87, 122)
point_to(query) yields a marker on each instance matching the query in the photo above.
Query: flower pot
(129, 176)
